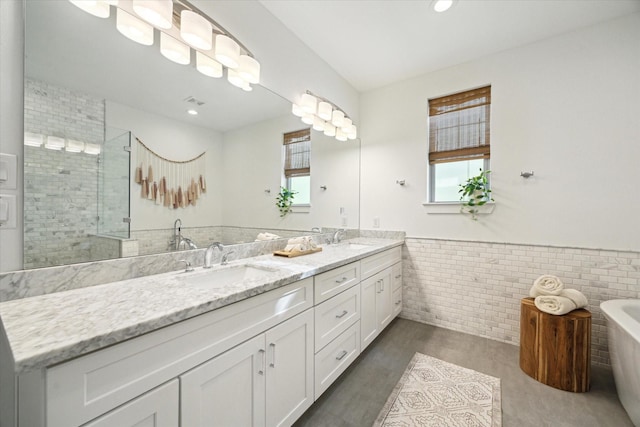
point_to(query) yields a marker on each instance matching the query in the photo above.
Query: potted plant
(474, 193)
(284, 201)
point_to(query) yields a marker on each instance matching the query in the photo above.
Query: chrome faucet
(316, 230)
(187, 265)
(224, 261)
(338, 235)
(177, 234)
(187, 242)
(209, 253)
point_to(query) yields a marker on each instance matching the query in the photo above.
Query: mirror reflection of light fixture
(133, 28)
(92, 148)
(155, 12)
(97, 8)
(54, 143)
(174, 50)
(227, 51)
(33, 139)
(196, 30)
(73, 146)
(249, 69)
(324, 116)
(234, 78)
(208, 66)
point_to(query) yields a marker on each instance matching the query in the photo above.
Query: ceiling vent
(192, 100)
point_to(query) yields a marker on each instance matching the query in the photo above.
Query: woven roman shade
(459, 126)
(297, 153)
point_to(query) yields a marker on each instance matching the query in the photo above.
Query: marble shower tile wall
(60, 187)
(476, 287)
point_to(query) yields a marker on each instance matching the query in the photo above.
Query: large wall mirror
(110, 102)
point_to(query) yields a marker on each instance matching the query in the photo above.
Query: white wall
(177, 141)
(258, 151)
(565, 107)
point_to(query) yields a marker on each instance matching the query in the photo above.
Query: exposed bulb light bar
(33, 139)
(92, 148)
(54, 143)
(134, 28)
(73, 146)
(155, 12)
(97, 8)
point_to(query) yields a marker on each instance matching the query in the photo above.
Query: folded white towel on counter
(546, 285)
(266, 236)
(568, 300)
(295, 247)
(305, 243)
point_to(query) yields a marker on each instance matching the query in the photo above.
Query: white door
(228, 390)
(368, 321)
(157, 408)
(384, 304)
(289, 369)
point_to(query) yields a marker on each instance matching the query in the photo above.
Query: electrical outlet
(376, 222)
(344, 221)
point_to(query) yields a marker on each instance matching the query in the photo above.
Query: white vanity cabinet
(267, 380)
(378, 288)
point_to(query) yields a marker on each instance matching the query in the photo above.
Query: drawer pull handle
(263, 357)
(344, 279)
(398, 276)
(340, 316)
(342, 355)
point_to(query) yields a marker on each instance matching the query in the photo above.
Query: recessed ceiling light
(442, 5)
(192, 112)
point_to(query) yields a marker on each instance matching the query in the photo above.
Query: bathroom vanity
(252, 343)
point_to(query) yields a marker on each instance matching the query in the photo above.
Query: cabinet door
(368, 320)
(157, 408)
(228, 390)
(289, 369)
(384, 305)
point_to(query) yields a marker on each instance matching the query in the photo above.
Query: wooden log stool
(556, 350)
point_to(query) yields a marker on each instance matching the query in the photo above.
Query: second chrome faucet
(209, 253)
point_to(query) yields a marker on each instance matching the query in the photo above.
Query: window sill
(454, 208)
(306, 208)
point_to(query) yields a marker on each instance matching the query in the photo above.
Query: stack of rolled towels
(300, 244)
(266, 236)
(552, 297)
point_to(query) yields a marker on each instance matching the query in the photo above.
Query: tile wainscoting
(476, 287)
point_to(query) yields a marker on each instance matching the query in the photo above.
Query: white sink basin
(225, 276)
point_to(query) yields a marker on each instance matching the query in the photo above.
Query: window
(297, 165)
(458, 141)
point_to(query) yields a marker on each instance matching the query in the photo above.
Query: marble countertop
(45, 330)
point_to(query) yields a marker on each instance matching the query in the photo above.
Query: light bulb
(442, 5)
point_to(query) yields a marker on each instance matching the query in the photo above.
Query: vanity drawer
(396, 301)
(332, 360)
(84, 388)
(378, 262)
(396, 276)
(332, 317)
(334, 281)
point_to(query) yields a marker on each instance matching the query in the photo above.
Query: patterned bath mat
(434, 393)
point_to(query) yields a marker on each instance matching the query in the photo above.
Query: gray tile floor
(357, 396)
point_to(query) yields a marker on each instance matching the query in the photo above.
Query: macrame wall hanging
(173, 184)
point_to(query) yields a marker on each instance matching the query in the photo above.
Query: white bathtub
(623, 327)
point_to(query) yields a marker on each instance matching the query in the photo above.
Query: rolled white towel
(568, 300)
(546, 285)
(296, 240)
(294, 247)
(266, 236)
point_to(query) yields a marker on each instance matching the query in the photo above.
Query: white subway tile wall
(476, 287)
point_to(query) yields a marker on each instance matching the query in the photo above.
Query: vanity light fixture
(54, 143)
(97, 8)
(324, 116)
(156, 12)
(195, 30)
(33, 139)
(208, 66)
(442, 5)
(174, 50)
(134, 28)
(73, 146)
(215, 48)
(93, 149)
